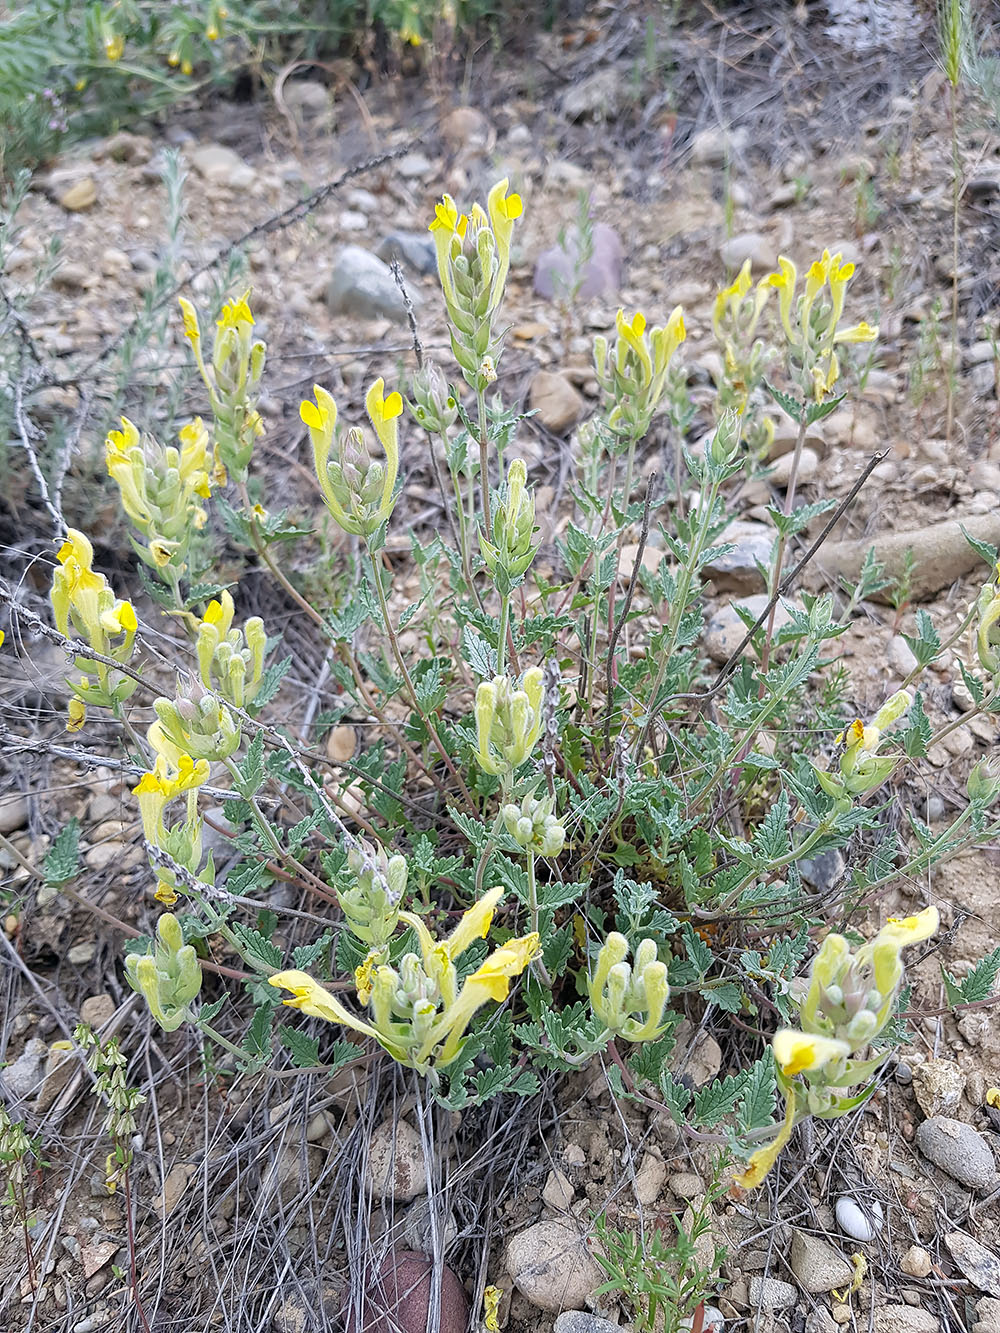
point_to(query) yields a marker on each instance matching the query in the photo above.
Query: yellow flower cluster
(634, 372)
(861, 768)
(850, 998)
(174, 774)
(359, 492)
(84, 600)
(230, 661)
(508, 722)
(419, 1013)
(160, 488)
(473, 259)
(232, 379)
(811, 320)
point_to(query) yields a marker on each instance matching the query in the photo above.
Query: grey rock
(750, 245)
(579, 1321)
(736, 570)
(362, 286)
(597, 97)
(904, 1319)
(414, 166)
(557, 403)
(900, 656)
(221, 166)
(959, 1150)
(307, 96)
(558, 270)
(413, 248)
(824, 870)
(817, 1265)
(770, 1293)
(938, 1086)
(725, 631)
(552, 1266)
(13, 812)
(980, 1265)
(821, 1321)
(781, 473)
(940, 551)
(418, 1234)
(23, 1078)
(983, 184)
(714, 146)
(395, 1167)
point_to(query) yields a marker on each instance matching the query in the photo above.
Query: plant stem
(705, 512)
(779, 555)
(502, 635)
(538, 967)
(956, 182)
(408, 683)
(484, 469)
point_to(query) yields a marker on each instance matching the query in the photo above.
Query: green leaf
(251, 771)
(717, 1100)
(925, 644)
(757, 1101)
(789, 405)
(257, 1041)
(259, 951)
(985, 549)
(303, 1049)
(63, 857)
(770, 839)
(479, 655)
(817, 411)
(270, 684)
(917, 736)
(978, 985)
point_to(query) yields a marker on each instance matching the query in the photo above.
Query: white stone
(859, 1223)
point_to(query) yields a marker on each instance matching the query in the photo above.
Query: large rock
(559, 269)
(714, 146)
(552, 1266)
(959, 1150)
(938, 1086)
(749, 245)
(557, 403)
(412, 248)
(395, 1168)
(940, 553)
(817, 1265)
(599, 96)
(737, 570)
(725, 630)
(363, 287)
(221, 166)
(980, 1265)
(904, 1319)
(396, 1299)
(770, 1293)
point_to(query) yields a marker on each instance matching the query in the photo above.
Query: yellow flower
(632, 333)
(235, 313)
(858, 333)
(764, 1158)
(191, 330)
(667, 340)
(800, 1052)
(784, 280)
(76, 715)
(474, 925)
(162, 784)
(491, 1305)
(902, 931)
(314, 1000)
(840, 276)
(447, 217)
(114, 46)
(490, 981)
(730, 297)
(504, 210)
(165, 894)
(363, 975)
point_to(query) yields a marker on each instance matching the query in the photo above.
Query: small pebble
(916, 1262)
(904, 1074)
(857, 1222)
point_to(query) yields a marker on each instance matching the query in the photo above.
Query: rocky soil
(886, 1220)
